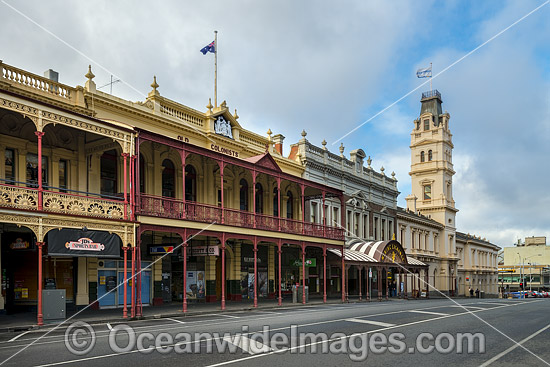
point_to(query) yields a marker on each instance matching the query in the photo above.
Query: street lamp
(523, 269)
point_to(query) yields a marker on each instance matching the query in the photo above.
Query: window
(168, 179)
(383, 227)
(290, 205)
(259, 198)
(376, 228)
(243, 194)
(275, 202)
(428, 192)
(426, 124)
(366, 226)
(32, 170)
(422, 156)
(430, 155)
(390, 230)
(313, 212)
(9, 164)
(63, 175)
(141, 173)
(108, 163)
(356, 224)
(335, 217)
(191, 183)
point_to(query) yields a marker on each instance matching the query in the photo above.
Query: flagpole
(431, 73)
(216, 69)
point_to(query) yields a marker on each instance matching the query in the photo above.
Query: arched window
(275, 202)
(108, 173)
(422, 156)
(259, 198)
(430, 155)
(243, 194)
(141, 173)
(290, 205)
(190, 183)
(168, 179)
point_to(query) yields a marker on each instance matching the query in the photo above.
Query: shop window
(427, 192)
(243, 194)
(422, 156)
(430, 155)
(290, 205)
(9, 166)
(109, 173)
(275, 202)
(190, 183)
(259, 198)
(62, 175)
(32, 170)
(168, 179)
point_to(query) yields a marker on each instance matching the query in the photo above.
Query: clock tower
(432, 169)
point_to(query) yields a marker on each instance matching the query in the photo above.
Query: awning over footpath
(377, 252)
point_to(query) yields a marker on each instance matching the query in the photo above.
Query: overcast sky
(326, 67)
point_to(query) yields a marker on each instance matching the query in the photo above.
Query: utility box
(54, 304)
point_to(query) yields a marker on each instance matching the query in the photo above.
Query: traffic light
(521, 286)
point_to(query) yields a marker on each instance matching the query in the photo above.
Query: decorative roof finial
(382, 169)
(235, 116)
(304, 134)
(269, 134)
(369, 161)
(89, 74)
(154, 84)
(341, 149)
(324, 143)
(209, 105)
(393, 175)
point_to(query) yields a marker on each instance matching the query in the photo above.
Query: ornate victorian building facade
(427, 227)
(95, 190)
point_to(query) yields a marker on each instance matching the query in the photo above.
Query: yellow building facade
(94, 187)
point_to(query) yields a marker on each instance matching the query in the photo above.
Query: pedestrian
(477, 293)
(471, 292)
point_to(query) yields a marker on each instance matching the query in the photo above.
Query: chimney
(278, 140)
(52, 75)
(411, 203)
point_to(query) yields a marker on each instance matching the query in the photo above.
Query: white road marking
(377, 323)
(224, 315)
(109, 326)
(178, 321)
(431, 312)
(466, 306)
(248, 345)
(277, 351)
(502, 354)
(18, 336)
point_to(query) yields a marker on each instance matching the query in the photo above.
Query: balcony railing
(173, 208)
(20, 197)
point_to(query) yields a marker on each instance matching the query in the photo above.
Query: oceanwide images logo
(80, 339)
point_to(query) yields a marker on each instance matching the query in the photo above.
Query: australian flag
(211, 47)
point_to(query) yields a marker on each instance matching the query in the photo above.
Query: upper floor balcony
(181, 181)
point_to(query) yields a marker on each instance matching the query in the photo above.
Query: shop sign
(24, 292)
(19, 244)
(310, 263)
(203, 251)
(393, 253)
(74, 242)
(85, 244)
(160, 250)
(223, 150)
(251, 260)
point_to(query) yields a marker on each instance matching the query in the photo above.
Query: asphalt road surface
(466, 332)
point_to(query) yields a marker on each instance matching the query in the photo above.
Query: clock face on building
(223, 127)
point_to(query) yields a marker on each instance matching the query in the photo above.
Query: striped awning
(350, 255)
(413, 261)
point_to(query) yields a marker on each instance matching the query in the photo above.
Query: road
(383, 334)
